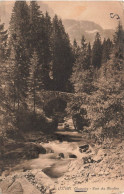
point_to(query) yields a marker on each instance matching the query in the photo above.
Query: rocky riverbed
(66, 167)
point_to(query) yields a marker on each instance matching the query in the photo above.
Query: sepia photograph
(61, 97)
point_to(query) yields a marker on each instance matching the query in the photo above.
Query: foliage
(18, 40)
(82, 70)
(106, 50)
(62, 60)
(33, 81)
(97, 51)
(3, 42)
(36, 54)
(111, 84)
(40, 41)
(105, 106)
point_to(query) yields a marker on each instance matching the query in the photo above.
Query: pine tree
(111, 77)
(3, 57)
(83, 54)
(89, 55)
(110, 88)
(97, 52)
(40, 41)
(47, 51)
(82, 71)
(36, 36)
(76, 49)
(62, 60)
(83, 44)
(36, 27)
(106, 50)
(3, 42)
(3, 48)
(19, 54)
(3, 39)
(119, 41)
(33, 80)
(19, 23)
(5, 102)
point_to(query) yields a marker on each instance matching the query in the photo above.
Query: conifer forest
(57, 94)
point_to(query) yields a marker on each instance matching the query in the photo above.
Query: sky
(96, 11)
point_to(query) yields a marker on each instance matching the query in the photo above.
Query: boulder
(5, 184)
(42, 179)
(28, 187)
(83, 148)
(15, 188)
(25, 151)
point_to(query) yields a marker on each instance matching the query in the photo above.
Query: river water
(58, 155)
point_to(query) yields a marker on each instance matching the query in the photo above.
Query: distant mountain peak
(77, 28)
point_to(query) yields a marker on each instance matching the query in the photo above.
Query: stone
(99, 157)
(15, 188)
(61, 155)
(88, 160)
(25, 151)
(34, 150)
(83, 148)
(5, 184)
(72, 156)
(49, 150)
(42, 179)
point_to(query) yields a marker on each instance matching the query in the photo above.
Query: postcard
(61, 97)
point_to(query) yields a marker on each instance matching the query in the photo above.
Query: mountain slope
(76, 29)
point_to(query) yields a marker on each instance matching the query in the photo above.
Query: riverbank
(67, 166)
